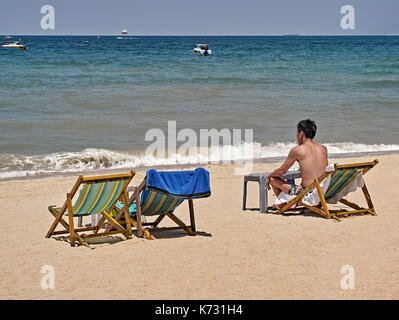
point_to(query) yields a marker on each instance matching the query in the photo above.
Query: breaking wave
(14, 165)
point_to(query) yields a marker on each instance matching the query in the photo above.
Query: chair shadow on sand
(157, 234)
(301, 212)
(305, 213)
(172, 234)
(103, 240)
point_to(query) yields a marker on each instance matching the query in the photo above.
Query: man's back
(312, 159)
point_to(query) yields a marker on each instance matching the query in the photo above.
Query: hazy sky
(200, 17)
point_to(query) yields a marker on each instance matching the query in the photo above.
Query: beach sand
(236, 255)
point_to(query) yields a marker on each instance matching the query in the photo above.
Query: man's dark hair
(308, 127)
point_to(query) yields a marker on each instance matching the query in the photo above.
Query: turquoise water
(67, 103)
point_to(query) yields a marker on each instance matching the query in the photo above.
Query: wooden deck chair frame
(322, 209)
(137, 223)
(74, 233)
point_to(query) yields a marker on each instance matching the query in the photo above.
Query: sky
(199, 17)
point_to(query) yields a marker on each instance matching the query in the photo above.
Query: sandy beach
(236, 255)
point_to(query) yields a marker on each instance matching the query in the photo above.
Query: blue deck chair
(340, 178)
(160, 193)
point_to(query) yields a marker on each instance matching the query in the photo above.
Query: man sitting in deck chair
(312, 159)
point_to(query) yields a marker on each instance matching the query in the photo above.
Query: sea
(79, 103)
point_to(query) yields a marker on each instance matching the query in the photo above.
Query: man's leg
(279, 185)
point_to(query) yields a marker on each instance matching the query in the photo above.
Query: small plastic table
(263, 191)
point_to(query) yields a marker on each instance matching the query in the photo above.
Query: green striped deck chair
(340, 178)
(97, 195)
(153, 203)
(149, 203)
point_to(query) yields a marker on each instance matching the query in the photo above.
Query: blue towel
(181, 184)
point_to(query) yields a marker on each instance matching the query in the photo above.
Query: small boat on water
(13, 45)
(124, 32)
(202, 50)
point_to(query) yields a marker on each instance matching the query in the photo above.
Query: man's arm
(292, 157)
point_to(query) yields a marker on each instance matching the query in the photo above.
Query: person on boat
(312, 159)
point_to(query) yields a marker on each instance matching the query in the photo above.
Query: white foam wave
(12, 166)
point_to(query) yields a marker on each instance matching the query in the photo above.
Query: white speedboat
(202, 50)
(13, 45)
(124, 32)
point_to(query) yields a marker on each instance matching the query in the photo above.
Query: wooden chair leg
(58, 219)
(180, 223)
(127, 213)
(140, 230)
(82, 242)
(322, 200)
(62, 211)
(192, 218)
(100, 223)
(116, 225)
(146, 232)
(70, 217)
(350, 204)
(159, 219)
(368, 199)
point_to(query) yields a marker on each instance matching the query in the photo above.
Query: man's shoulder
(298, 150)
(302, 149)
(321, 146)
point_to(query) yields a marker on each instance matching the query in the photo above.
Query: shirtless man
(312, 159)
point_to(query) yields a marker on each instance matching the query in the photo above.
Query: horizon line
(209, 35)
